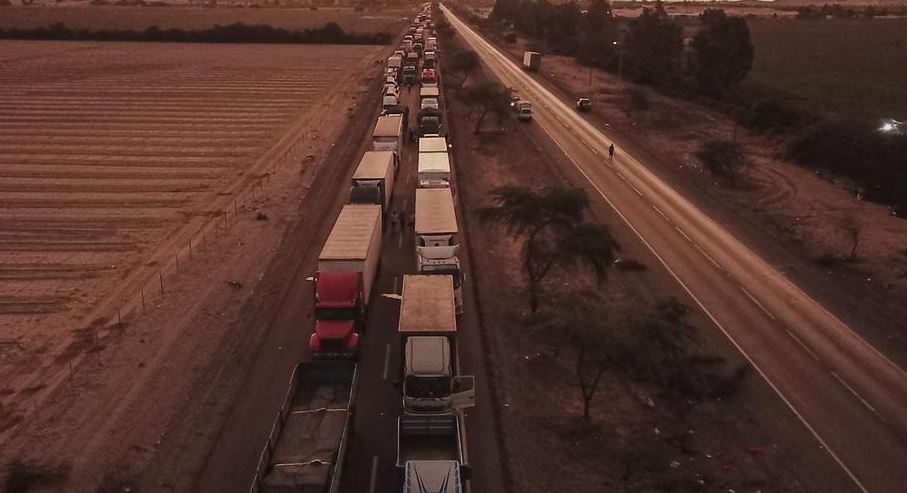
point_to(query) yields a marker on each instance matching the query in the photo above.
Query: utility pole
(620, 60)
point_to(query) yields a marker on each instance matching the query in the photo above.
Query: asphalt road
(849, 396)
(371, 461)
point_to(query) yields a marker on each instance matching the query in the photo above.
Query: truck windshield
(427, 387)
(335, 313)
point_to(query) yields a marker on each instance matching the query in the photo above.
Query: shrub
(722, 157)
(23, 476)
(773, 115)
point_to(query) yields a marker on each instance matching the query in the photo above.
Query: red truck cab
(429, 75)
(339, 312)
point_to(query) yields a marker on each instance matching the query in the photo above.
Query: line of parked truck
(306, 449)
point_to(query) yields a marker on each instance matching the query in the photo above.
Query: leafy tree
(489, 98)
(654, 43)
(464, 63)
(722, 50)
(553, 226)
(723, 158)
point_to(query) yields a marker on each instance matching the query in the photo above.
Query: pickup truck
(430, 453)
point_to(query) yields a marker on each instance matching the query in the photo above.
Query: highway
(848, 395)
(371, 459)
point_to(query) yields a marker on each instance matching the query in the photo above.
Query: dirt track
(115, 157)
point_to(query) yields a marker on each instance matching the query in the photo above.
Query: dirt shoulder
(143, 407)
(637, 441)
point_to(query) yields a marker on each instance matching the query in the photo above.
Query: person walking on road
(393, 220)
(610, 152)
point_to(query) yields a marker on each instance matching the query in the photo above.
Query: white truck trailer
(306, 448)
(433, 170)
(428, 336)
(373, 181)
(532, 60)
(388, 134)
(433, 144)
(346, 272)
(431, 454)
(437, 240)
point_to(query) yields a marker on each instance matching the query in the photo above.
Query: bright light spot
(890, 126)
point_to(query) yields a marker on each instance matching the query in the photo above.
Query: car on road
(583, 104)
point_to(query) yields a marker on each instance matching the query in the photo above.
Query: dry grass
(857, 66)
(140, 18)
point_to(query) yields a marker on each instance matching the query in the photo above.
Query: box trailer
(306, 449)
(532, 60)
(428, 336)
(433, 144)
(347, 267)
(388, 133)
(373, 181)
(433, 170)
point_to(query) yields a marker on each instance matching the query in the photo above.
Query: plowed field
(115, 157)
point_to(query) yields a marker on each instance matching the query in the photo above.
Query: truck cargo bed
(428, 437)
(307, 444)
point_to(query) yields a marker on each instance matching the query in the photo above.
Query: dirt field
(857, 66)
(128, 168)
(187, 17)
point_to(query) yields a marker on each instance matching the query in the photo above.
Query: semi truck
(373, 181)
(388, 134)
(433, 169)
(347, 267)
(432, 144)
(428, 337)
(437, 244)
(532, 60)
(306, 449)
(430, 453)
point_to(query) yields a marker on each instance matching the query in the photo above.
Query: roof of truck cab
(374, 165)
(427, 355)
(435, 211)
(388, 126)
(352, 233)
(427, 305)
(432, 144)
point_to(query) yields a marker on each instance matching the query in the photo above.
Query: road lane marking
(662, 214)
(695, 299)
(682, 233)
(618, 173)
(710, 259)
(387, 359)
(803, 345)
(637, 191)
(857, 395)
(371, 483)
(756, 302)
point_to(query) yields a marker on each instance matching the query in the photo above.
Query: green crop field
(854, 66)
